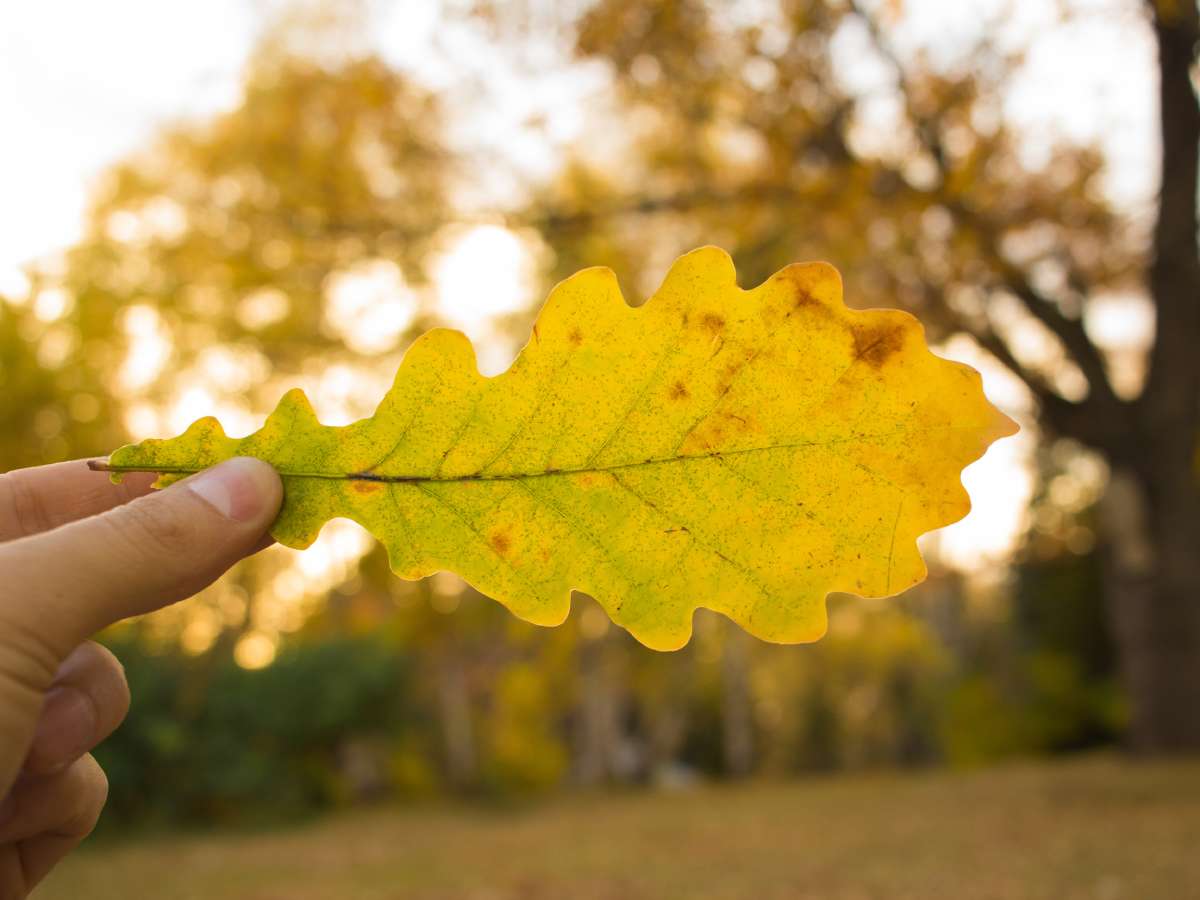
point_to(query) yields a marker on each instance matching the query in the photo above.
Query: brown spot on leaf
(500, 542)
(679, 391)
(366, 487)
(876, 340)
(575, 337)
(802, 299)
(713, 323)
(685, 320)
(802, 295)
(730, 372)
(743, 424)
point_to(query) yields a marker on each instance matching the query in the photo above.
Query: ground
(1101, 828)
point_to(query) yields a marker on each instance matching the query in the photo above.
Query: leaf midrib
(548, 473)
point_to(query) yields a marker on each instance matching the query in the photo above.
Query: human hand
(78, 553)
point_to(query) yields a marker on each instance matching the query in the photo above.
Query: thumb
(66, 584)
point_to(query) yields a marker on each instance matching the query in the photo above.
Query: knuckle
(28, 660)
(22, 687)
(25, 505)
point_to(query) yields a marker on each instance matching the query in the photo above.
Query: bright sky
(82, 84)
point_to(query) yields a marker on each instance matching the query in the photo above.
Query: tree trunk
(1152, 529)
(454, 709)
(1156, 586)
(598, 726)
(737, 718)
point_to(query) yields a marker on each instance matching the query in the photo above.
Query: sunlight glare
(234, 368)
(262, 308)
(1123, 325)
(255, 650)
(14, 284)
(52, 303)
(149, 347)
(197, 402)
(485, 271)
(334, 555)
(369, 306)
(201, 630)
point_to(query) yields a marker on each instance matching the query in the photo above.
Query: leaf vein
(673, 518)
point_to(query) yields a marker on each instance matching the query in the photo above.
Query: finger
(44, 819)
(39, 499)
(68, 583)
(68, 803)
(86, 703)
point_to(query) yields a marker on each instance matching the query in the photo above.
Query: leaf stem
(103, 465)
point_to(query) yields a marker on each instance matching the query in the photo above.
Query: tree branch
(1070, 332)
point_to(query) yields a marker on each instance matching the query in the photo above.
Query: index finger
(40, 498)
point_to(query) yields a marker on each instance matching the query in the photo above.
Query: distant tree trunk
(666, 724)
(1155, 564)
(737, 719)
(597, 730)
(454, 707)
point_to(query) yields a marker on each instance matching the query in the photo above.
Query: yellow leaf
(745, 451)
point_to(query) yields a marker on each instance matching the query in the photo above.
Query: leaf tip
(296, 402)
(441, 347)
(709, 266)
(206, 423)
(1003, 425)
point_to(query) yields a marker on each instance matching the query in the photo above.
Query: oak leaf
(748, 451)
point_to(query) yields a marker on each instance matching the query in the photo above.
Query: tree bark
(1168, 715)
(1153, 577)
(1155, 565)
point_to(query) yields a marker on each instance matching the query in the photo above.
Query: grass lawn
(1101, 829)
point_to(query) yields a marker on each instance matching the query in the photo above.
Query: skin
(78, 553)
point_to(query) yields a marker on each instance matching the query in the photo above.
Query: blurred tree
(737, 713)
(597, 706)
(740, 129)
(53, 403)
(265, 743)
(233, 233)
(215, 262)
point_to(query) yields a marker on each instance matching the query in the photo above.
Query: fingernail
(65, 731)
(234, 488)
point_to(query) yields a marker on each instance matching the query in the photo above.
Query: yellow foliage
(524, 750)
